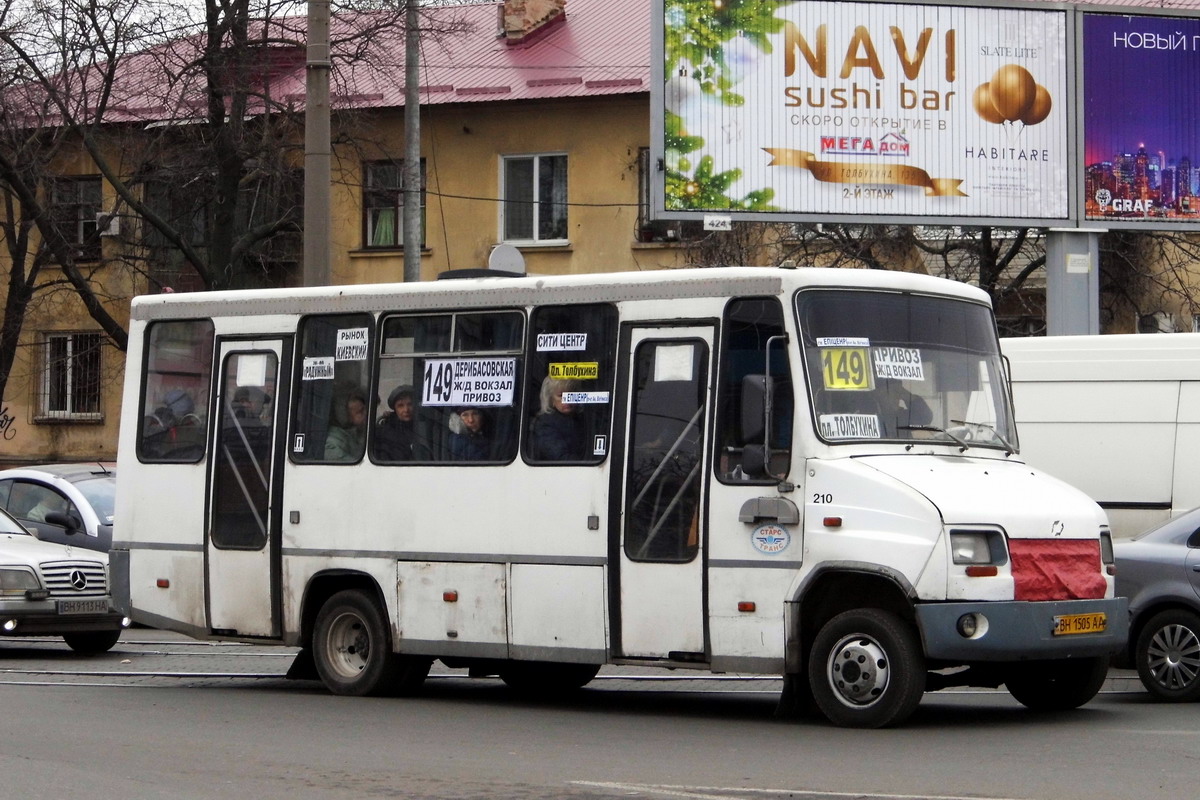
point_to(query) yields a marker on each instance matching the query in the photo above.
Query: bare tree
(1132, 295)
(193, 115)
(1001, 261)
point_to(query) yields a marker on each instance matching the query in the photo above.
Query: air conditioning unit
(108, 224)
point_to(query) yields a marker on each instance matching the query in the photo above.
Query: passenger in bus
(468, 440)
(249, 403)
(174, 429)
(903, 409)
(176, 407)
(345, 442)
(557, 432)
(396, 436)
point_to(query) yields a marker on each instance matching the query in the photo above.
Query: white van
(1117, 416)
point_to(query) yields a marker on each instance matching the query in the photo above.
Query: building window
(70, 385)
(74, 205)
(535, 198)
(383, 203)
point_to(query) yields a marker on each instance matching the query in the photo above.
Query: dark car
(1159, 571)
(69, 504)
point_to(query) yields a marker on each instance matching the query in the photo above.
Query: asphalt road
(164, 717)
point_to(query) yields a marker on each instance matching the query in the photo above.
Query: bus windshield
(903, 367)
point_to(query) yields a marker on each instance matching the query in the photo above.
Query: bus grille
(63, 578)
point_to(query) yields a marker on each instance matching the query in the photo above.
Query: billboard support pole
(1072, 281)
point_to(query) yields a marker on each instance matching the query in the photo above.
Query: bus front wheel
(866, 669)
(353, 651)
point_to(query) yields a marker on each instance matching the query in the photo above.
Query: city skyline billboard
(1141, 132)
(826, 111)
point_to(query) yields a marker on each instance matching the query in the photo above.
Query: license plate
(1069, 624)
(83, 606)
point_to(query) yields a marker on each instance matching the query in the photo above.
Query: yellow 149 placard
(844, 368)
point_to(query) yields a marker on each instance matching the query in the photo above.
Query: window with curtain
(535, 198)
(383, 203)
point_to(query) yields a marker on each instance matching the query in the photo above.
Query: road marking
(1155, 733)
(727, 792)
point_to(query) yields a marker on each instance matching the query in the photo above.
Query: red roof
(599, 47)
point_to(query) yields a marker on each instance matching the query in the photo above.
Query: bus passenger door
(658, 550)
(243, 542)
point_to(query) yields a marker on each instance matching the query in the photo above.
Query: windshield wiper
(1009, 449)
(962, 445)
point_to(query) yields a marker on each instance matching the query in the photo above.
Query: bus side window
(178, 374)
(450, 363)
(569, 388)
(749, 324)
(334, 371)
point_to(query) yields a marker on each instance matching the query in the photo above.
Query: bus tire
(543, 678)
(1168, 656)
(1058, 685)
(866, 669)
(352, 648)
(92, 642)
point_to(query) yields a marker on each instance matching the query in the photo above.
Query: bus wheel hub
(858, 670)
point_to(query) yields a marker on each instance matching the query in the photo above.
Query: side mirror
(66, 521)
(756, 393)
(754, 461)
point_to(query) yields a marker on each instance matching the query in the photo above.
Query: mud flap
(303, 667)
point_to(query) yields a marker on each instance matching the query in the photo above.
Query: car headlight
(978, 547)
(17, 581)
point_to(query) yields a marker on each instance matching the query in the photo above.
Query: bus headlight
(978, 547)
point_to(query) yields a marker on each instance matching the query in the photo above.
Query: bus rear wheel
(866, 669)
(353, 651)
(541, 678)
(1058, 685)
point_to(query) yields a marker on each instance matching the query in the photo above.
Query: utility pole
(412, 144)
(317, 148)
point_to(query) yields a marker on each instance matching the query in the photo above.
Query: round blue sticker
(770, 539)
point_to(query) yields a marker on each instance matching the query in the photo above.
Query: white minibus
(800, 472)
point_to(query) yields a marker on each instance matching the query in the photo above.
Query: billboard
(820, 111)
(1141, 129)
